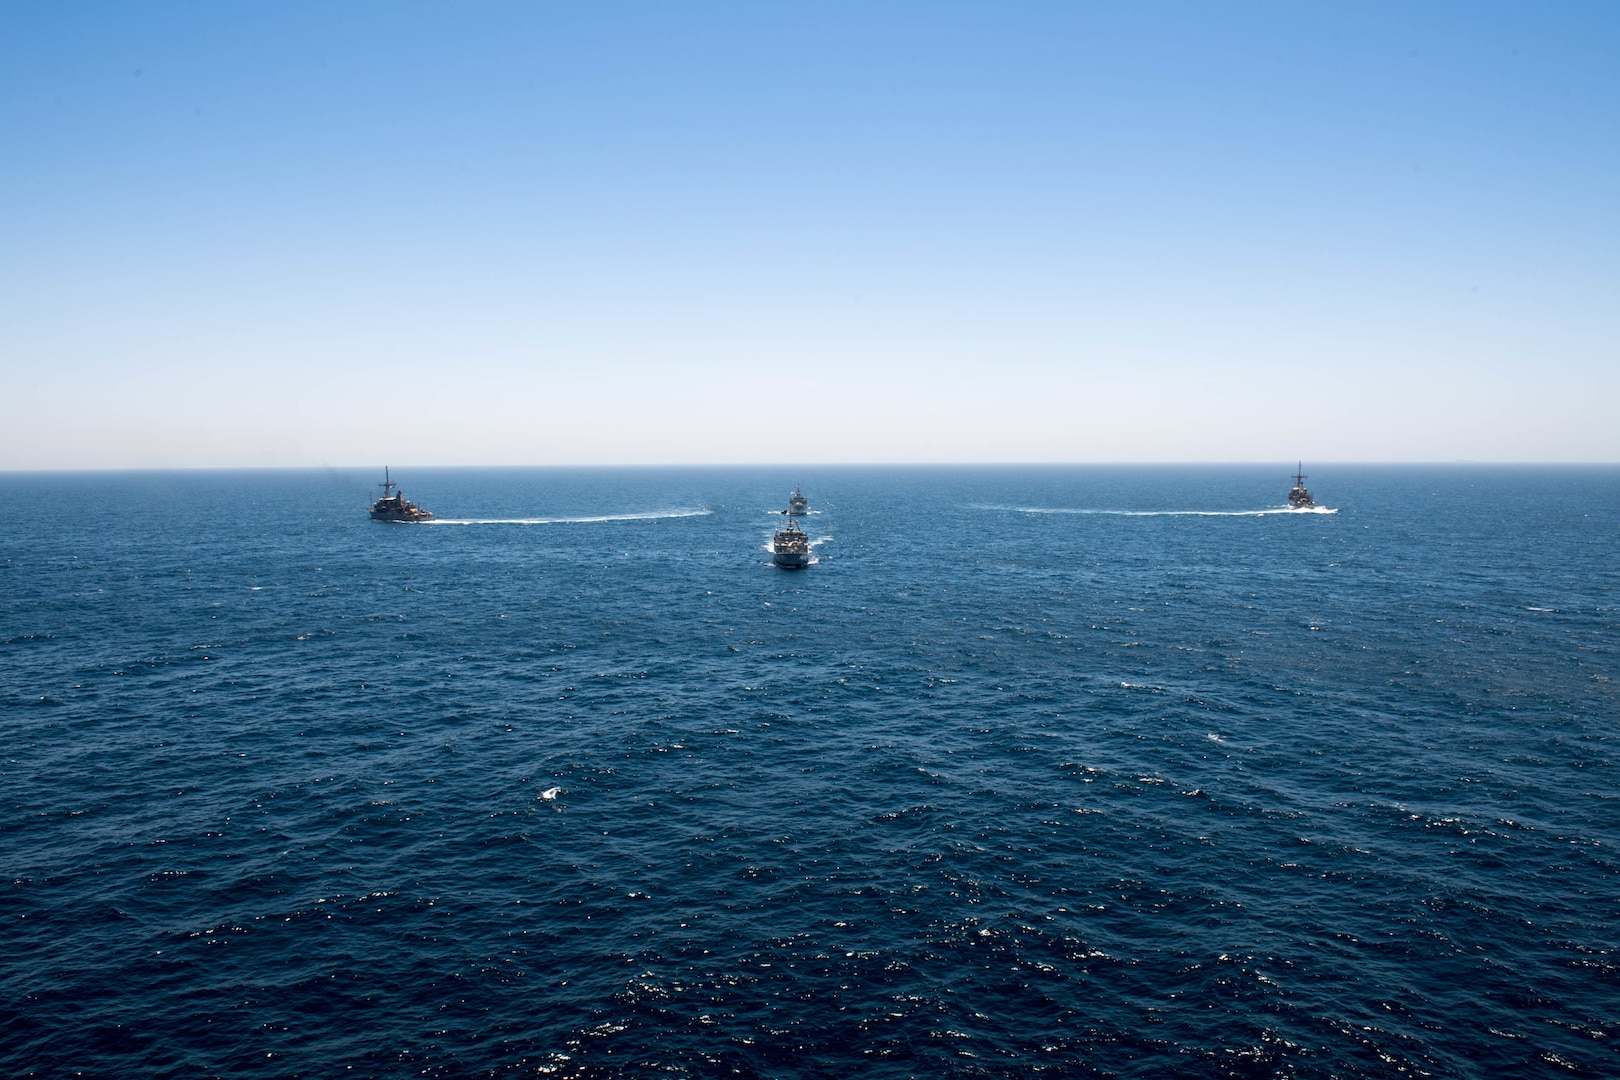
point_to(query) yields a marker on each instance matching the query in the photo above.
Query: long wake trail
(581, 519)
(1285, 510)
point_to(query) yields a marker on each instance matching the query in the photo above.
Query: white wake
(1161, 513)
(585, 519)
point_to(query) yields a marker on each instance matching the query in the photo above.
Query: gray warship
(791, 547)
(1299, 498)
(393, 507)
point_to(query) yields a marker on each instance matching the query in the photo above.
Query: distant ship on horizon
(393, 506)
(798, 505)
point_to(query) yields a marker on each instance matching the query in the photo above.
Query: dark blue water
(1032, 773)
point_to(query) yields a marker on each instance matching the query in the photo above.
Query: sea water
(1036, 771)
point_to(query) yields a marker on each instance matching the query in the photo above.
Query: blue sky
(530, 233)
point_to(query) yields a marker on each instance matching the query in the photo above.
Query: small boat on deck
(393, 505)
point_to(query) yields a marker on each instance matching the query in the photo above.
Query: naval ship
(798, 505)
(791, 548)
(1299, 498)
(393, 507)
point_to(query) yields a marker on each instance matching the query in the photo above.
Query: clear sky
(288, 234)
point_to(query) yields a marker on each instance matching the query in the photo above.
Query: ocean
(1036, 771)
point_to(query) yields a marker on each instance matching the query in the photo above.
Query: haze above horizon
(514, 234)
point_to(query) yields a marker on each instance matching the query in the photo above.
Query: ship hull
(792, 560)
